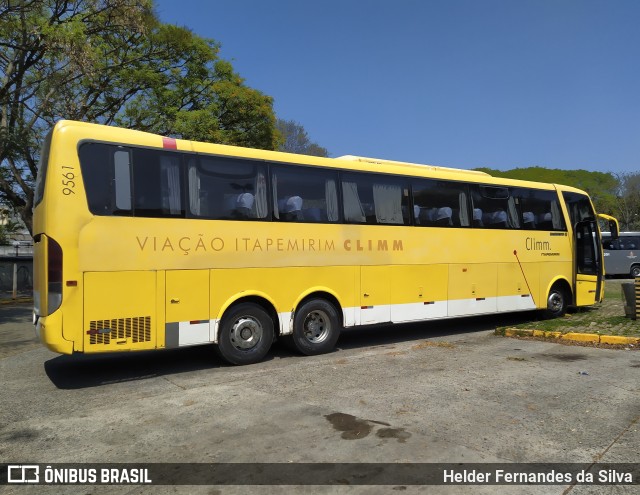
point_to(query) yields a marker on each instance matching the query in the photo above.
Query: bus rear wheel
(245, 335)
(557, 302)
(635, 271)
(316, 328)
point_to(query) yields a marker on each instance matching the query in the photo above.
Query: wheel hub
(555, 302)
(246, 333)
(317, 327)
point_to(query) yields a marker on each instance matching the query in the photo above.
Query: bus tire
(245, 335)
(635, 271)
(557, 302)
(316, 328)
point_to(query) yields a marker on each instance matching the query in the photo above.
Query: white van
(622, 255)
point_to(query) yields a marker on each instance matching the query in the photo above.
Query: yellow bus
(147, 242)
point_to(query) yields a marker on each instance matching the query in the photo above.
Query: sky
(459, 83)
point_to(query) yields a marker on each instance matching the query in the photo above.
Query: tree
(627, 206)
(112, 62)
(296, 140)
(601, 186)
(8, 226)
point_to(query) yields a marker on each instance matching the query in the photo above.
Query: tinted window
(226, 188)
(375, 199)
(42, 170)
(157, 178)
(305, 195)
(538, 209)
(125, 181)
(579, 207)
(440, 203)
(98, 173)
(494, 207)
(627, 243)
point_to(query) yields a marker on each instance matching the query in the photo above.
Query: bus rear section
(66, 293)
(47, 267)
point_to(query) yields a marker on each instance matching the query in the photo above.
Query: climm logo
(532, 244)
(371, 245)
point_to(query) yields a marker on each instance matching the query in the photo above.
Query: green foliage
(7, 226)
(113, 62)
(603, 187)
(296, 140)
(627, 208)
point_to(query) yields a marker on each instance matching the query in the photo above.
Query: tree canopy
(296, 140)
(617, 195)
(113, 62)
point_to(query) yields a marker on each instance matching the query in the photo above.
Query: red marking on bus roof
(169, 143)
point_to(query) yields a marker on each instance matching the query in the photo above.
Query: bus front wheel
(557, 302)
(316, 328)
(635, 271)
(245, 335)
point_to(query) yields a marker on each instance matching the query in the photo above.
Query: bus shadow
(80, 371)
(381, 335)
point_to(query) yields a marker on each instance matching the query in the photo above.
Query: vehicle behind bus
(622, 255)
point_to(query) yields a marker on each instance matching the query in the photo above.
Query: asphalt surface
(438, 392)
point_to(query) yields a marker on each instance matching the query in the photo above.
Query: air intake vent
(137, 329)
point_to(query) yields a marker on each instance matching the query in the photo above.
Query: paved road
(442, 392)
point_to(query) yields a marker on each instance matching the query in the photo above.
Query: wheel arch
(259, 298)
(564, 284)
(320, 293)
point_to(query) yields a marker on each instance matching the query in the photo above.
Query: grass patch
(606, 318)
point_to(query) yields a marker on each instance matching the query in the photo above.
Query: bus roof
(380, 161)
(130, 136)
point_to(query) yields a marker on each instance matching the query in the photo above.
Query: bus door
(588, 263)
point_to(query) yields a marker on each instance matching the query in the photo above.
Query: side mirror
(614, 228)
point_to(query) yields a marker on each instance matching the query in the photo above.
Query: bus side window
(222, 188)
(442, 203)
(157, 184)
(375, 199)
(309, 196)
(498, 208)
(539, 209)
(107, 178)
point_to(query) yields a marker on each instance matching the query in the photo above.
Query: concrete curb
(593, 338)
